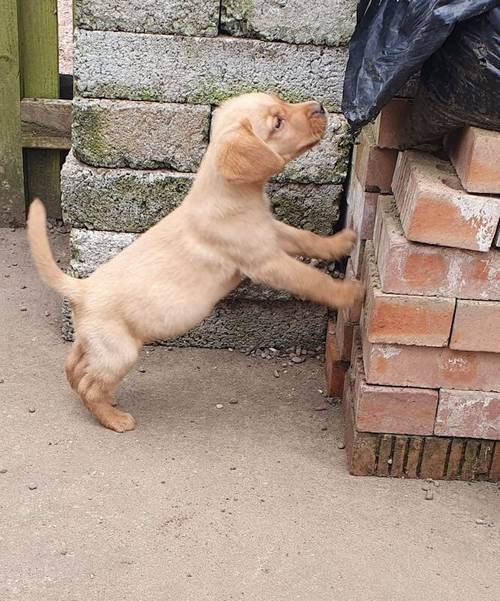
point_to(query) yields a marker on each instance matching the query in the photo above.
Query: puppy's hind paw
(117, 420)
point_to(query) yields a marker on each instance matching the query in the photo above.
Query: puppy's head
(255, 135)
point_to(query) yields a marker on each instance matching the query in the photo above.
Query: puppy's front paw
(341, 244)
(351, 292)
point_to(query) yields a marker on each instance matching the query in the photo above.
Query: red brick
(415, 446)
(384, 455)
(435, 209)
(476, 326)
(430, 367)
(344, 333)
(411, 268)
(483, 461)
(398, 456)
(398, 410)
(495, 464)
(472, 450)
(433, 464)
(475, 153)
(353, 313)
(361, 448)
(496, 242)
(335, 368)
(390, 123)
(373, 166)
(357, 256)
(403, 319)
(455, 458)
(468, 414)
(363, 206)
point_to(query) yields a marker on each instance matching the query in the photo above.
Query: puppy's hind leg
(106, 360)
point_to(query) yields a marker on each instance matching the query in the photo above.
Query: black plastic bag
(460, 83)
(392, 40)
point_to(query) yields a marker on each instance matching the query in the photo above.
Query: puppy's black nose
(319, 110)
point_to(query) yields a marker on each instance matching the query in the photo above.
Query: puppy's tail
(49, 271)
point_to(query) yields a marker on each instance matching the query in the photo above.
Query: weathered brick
(373, 166)
(455, 459)
(415, 447)
(411, 268)
(430, 367)
(469, 414)
(361, 447)
(204, 70)
(133, 200)
(312, 207)
(399, 456)
(328, 161)
(186, 17)
(393, 409)
(474, 153)
(335, 367)
(483, 459)
(403, 319)
(434, 208)
(389, 125)
(433, 462)
(495, 464)
(344, 331)
(476, 326)
(363, 207)
(472, 449)
(119, 199)
(329, 23)
(384, 455)
(141, 135)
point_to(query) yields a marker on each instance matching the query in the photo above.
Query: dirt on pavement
(250, 500)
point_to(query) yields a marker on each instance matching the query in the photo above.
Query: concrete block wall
(418, 365)
(148, 74)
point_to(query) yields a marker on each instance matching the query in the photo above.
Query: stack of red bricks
(421, 395)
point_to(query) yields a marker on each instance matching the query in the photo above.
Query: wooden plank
(46, 123)
(11, 158)
(40, 79)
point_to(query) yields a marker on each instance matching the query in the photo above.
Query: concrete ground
(248, 501)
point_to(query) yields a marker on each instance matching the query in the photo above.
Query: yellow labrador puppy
(171, 277)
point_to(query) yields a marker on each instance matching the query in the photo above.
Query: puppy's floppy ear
(244, 157)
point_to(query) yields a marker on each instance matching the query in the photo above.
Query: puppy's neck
(210, 187)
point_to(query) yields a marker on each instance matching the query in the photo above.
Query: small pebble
(324, 428)
(32, 486)
(276, 373)
(232, 468)
(298, 359)
(230, 349)
(32, 409)
(2, 380)
(233, 402)
(219, 406)
(340, 445)
(47, 313)
(3, 471)
(425, 487)
(141, 370)
(64, 552)
(480, 522)
(23, 287)
(429, 495)
(320, 408)
(23, 308)
(14, 264)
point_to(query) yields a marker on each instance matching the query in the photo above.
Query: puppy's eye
(278, 123)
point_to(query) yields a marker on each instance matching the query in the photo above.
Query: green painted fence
(29, 166)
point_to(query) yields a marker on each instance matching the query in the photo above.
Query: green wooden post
(11, 158)
(40, 79)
